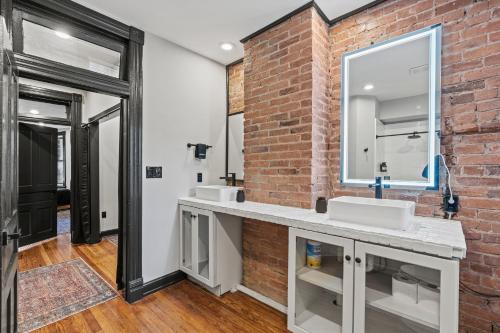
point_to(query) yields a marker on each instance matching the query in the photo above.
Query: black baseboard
(162, 282)
(109, 232)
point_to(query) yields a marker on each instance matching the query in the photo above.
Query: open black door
(37, 183)
(8, 189)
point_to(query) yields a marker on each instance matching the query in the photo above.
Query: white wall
(362, 127)
(406, 158)
(184, 102)
(109, 145)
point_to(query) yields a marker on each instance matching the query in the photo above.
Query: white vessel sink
(384, 213)
(216, 192)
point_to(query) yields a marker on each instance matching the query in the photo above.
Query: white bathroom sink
(384, 213)
(216, 192)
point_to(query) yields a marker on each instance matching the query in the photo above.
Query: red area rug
(51, 293)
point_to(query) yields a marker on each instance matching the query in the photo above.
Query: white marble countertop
(440, 237)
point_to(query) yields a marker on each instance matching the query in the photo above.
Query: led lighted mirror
(391, 112)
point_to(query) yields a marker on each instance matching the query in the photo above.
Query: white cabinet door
(204, 246)
(399, 291)
(320, 299)
(187, 239)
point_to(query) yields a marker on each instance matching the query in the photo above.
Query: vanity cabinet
(385, 289)
(210, 248)
(198, 244)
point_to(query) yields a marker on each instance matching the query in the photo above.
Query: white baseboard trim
(261, 298)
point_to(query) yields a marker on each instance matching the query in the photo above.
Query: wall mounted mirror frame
(235, 121)
(374, 63)
(234, 145)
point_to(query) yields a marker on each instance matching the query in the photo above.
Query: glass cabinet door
(320, 282)
(400, 291)
(204, 246)
(186, 240)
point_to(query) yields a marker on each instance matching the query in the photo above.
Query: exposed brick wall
(278, 144)
(470, 125)
(278, 120)
(320, 107)
(235, 85)
(285, 129)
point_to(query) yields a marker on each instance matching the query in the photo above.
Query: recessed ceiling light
(368, 86)
(62, 35)
(226, 46)
(34, 111)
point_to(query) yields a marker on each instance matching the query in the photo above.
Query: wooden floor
(183, 307)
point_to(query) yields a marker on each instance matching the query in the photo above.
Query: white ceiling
(201, 25)
(389, 71)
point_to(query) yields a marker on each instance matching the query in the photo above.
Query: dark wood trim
(54, 22)
(109, 232)
(356, 11)
(129, 270)
(278, 21)
(236, 62)
(114, 109)
(36, 68)
(162, 282)
(45, 120)
(71, 11)
(318, 10)
(95, 216)
(44, 94)
(321, 13)
(227, 122)
(130, 204)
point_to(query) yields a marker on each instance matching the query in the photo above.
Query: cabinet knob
(348, 257)
(358, 260)
(193, 216)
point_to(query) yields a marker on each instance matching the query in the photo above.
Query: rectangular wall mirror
(235, 144)
(391, 112)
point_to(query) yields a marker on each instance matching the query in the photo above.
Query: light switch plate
(153, 172)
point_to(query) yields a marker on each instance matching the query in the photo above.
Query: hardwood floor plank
(183, 307)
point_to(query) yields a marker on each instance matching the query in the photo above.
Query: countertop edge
(375, 235)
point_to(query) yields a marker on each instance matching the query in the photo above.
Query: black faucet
(232, 178)
(378, 187)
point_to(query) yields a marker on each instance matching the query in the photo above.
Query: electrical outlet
(450, 207)
(103, 214)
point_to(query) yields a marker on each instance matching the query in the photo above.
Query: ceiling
(386, 69)
(202, 25)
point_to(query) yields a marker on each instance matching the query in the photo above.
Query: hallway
(183, 307)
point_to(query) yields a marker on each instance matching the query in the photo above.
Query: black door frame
(102, 30)
(93, 126)
(73, 103)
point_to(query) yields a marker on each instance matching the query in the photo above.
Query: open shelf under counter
(329, 276)
(379, 296)
(321, 317)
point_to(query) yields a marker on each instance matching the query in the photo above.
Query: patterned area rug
(51, 293)
(63, 221)
(112, 238)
